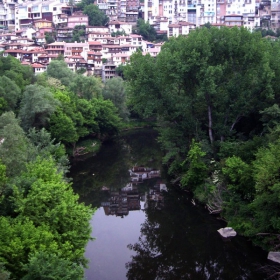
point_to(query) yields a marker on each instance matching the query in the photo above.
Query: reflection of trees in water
(181, 242)
(110, 166)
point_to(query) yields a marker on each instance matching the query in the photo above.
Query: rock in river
(227, 232)
(274, 256)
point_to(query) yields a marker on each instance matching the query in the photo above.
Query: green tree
(58, 69)
(14, 147)
(43, 265)
(114, 90)
(82, 4)
(79, 33)
(86, 87)
(46, 217)
(4, 275)
(251, 204)
(106, 117)
(88, 111)
(45, 146)
(205, 84)
(95, 16)
(118, 33)
(37, 105)
(10, 92)
(146, 30)
(11, 67)
(19, 238)
(196, 167)
(142, 78)
(49, 37)
(68, 124)
(63, 128)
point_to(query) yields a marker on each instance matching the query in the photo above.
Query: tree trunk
(210, 124)
(236, 121)
(74, 148)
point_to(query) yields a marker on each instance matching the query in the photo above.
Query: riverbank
(91, 146)
(169, 238)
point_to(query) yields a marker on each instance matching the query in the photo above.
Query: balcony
(266, 17)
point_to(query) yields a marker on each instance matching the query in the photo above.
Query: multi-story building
(136, 40)
(64, 34)
(275, 14)
(7, 13)
(122, 10)
(180, 28)
(95, 46)
(108, 70)
(160, 13)
(115, 26)
(94, 61)
(76, 49)
(56, 48)
(42, 26)
(29, 11)
(77, 19)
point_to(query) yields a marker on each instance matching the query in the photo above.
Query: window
(45, 8)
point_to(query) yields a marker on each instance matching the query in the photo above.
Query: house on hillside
(77, 19)
(108, 71)
(115, 26)
(56, 48)
(38, 68)
(95, 46)
(94, 61)
(42, 26)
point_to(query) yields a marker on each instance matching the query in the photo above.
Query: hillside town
(24, 25)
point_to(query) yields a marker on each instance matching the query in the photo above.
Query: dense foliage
(44, 228)
(148, 32)
(215, 95)
(96, 17)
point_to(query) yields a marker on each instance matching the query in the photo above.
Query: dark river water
(146, 228)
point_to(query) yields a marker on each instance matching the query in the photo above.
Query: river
(150, 229)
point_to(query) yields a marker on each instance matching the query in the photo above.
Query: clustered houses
(178, 16)
(24, 25)
(99, 55)
(171, 17)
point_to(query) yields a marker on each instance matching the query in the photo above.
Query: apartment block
(7, 13)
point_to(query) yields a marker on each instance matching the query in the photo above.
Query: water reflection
(120, 202)
(178, 241)
(145, 229)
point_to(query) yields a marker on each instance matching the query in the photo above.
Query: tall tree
(14, 147)
(10, 92)
(11, 67)
(58, 69)
(146, 30)
(95, 16)
(37, 105)
(207, 83)
(86, 87)
(46, 217)
(114, 90)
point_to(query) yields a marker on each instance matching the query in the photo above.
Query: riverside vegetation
(215, 95)
(44, 228)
